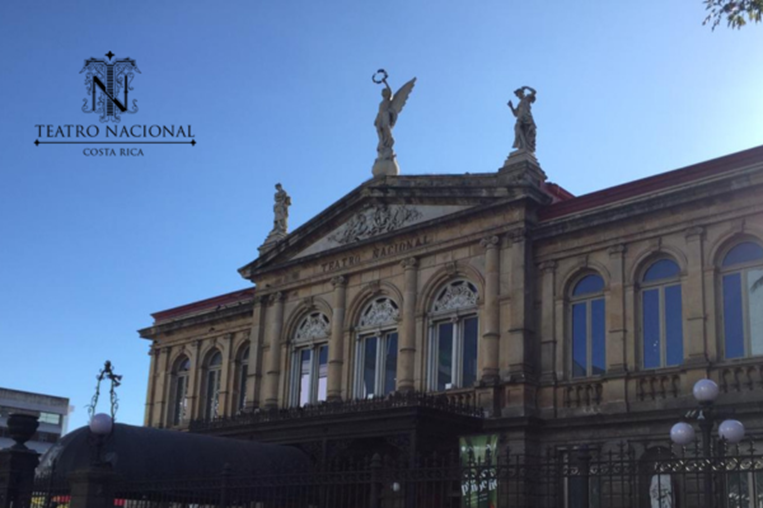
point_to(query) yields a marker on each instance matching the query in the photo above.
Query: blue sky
(282, 91)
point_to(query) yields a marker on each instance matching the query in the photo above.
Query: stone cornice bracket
(409, 263)
(309, 302)
(617, 250)
(339, 280)
(490, 242)
(451, 268)
(516, 235)
(547, 267)
(695, 233)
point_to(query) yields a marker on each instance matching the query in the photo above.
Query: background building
(53, 413)
(418, 309)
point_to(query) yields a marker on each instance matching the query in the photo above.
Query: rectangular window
(579, 340)
(242, 386)
(598, 337)
(674, 332)
(651, 328)
(445, 356)
(469, 368)
(305, 368)
(310, 375)
(733, 319)
(755, 310)
(390, 364)
(323, 372)
(369, 367)
(51, 418)
(181, 387)
(377, 360)
(453, 354)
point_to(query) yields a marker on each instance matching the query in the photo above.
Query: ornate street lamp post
(705, 391)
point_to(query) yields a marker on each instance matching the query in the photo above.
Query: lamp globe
(682, 433)
(731, 430)
(101, 424)
(705, 390)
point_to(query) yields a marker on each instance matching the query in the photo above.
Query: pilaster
(336, 345)
(407, 349)
(489, 345)
(696, 350)
(273, 363)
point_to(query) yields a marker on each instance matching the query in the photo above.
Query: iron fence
(576, 477)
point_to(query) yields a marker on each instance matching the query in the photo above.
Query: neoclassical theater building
(417, 309)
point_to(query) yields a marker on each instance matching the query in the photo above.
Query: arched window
(742, 281)
(588, 329)
(310, 360)
(454, 328)
(243, 373)
(212, 386)
(376, 371)
(661, 315)
(179, 391)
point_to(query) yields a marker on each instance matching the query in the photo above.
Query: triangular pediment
(377, 209)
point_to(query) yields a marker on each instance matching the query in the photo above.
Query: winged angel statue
(389, 110)
(112, 78)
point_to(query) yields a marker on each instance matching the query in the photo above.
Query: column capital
(516, 235)
(695, 233)
(490, 242)
(409, 263)
(276, 297)
(547, 266)
(617, 250)
(339, 281)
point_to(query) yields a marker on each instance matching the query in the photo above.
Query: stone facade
(497, 260)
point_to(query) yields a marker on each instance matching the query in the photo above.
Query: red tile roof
(652, 183)
(209, 303)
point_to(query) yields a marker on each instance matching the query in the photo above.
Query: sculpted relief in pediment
(376, 221)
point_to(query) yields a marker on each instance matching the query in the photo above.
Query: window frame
(457, 317)
(661, 285)
(312, 333)
(212, 372)
(313, 374)
(587, 299)
(179, 373)
(242, 373)
(382, 335)
(742, 269)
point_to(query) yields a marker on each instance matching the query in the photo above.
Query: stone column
(161, 416)
(693, 300)
(489, 350)
(226, 405)
(336, 345)
(254, 379)
(407, 347)
(195, 380)
(273, 364)
(615, 312)
(547, 320)
(150, 398)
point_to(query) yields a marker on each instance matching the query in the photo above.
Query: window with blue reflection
(661, 315)
(588, 326)
(742, 305)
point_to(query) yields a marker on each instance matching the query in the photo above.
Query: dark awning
(143, 453)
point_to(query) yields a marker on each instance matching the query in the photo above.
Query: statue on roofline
(389, 111)
(524, 128)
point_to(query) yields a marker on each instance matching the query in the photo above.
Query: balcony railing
(459, 405)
